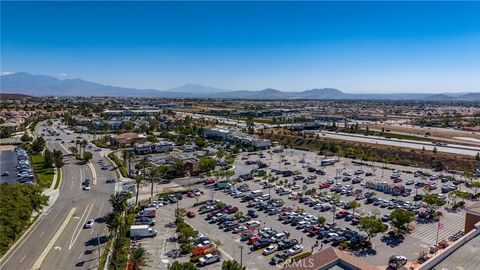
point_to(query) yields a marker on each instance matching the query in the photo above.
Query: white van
(256, 193)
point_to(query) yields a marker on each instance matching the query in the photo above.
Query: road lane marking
(49, 246)
(101, 208)
(53, 219)
(42, 234)
(72, 242)
(79, 221)
(16, 247)
(23, 258)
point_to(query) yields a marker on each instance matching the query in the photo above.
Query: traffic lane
(79, 246)
(8, 164)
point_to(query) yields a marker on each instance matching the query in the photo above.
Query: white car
(269, 250)
(295, 250)
(86, 187)
(89, 223)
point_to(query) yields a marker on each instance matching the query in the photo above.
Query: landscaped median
(105, 252)
(43, 174)
(59, 178)
(119, 164)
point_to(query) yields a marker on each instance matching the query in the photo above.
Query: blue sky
(351, 46)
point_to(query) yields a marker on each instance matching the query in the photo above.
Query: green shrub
(130, 219)
(301, 256)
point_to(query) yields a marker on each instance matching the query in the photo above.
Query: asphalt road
(450, 148)
(73, 246)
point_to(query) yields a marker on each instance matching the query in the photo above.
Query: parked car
(208, 259)
(280, 257)
(295, 250)
(269, 250)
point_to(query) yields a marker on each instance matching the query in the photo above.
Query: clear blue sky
(351, 46)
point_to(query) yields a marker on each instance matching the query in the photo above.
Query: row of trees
(51, 158)
(118, 222)
(18, 203)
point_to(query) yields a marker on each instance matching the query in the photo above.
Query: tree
(477, 157)
(354, 205)
(139, 257)
(112, 221)
(371, 226)
(58, 158)
(127, 157)
(26, 138)
(475, 186)
(321, 220)
(119, 252)
(78, 146)
(433, 201)
(460, 194)
(206, 164)
(434, 149)
(74, 150)
(118, 201)
(38, 145)
(176, 265)
(84, 144)
(232, 265)
(138, 181)
(400, 217)
(87, 156)
(48, 158)
(469, 175)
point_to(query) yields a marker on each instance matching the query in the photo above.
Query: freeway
(58, 240)
(450, 148)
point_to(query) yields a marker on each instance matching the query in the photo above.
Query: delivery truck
(140, 231)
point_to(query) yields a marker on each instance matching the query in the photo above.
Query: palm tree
(138, 181)
(154, 174)
(84, 145)
(73, 150)
(126, 156)
(77, 143)
(139, 257)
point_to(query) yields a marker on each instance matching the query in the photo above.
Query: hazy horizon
(356, 47)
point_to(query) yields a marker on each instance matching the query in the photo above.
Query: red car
(324, 185)
(209, 181)
(253, 240)
(231, 210)
(341, 214)
(191, 214)
(190, 194)
(244, 158)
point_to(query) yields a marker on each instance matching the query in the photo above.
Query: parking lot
(8, 163)
(423, 236)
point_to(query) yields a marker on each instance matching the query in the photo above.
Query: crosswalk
(427, 233)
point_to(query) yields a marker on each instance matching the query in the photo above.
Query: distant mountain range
(41, 85)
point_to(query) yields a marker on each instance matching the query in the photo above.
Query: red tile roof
(328, 258)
